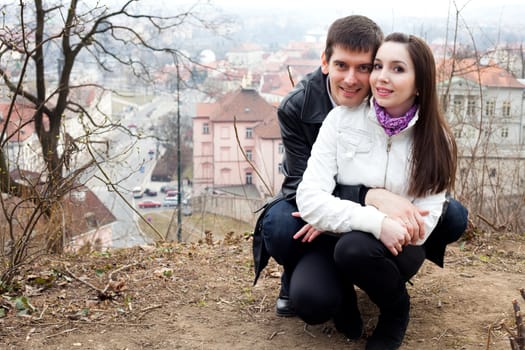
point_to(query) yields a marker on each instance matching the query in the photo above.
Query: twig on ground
(31, 331)
(148, 309)
(42, 313)
(261, 304)
(274, 334)
(60, 333)
(82, 281)
(103, 294)
(307, 331)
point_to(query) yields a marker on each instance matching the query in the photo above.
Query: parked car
(149, 204)
(170, 194)
(170, 202)
(150, 192)
(137, 192)
(167, 188)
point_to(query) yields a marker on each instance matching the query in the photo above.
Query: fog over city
(272, 22)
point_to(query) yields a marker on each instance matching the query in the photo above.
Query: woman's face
(393, 78)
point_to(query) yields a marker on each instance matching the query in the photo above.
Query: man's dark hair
(355, 33)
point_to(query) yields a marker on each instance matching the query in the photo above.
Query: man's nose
(350, 77)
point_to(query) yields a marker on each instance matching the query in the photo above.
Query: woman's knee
(355, 248)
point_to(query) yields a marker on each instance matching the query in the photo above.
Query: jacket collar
(317, 101)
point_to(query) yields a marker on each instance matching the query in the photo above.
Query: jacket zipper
(388, 146)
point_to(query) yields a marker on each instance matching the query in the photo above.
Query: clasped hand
(402, 225)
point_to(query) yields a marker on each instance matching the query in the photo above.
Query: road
(128, 165)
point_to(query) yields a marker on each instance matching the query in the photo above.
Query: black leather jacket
(300, 115)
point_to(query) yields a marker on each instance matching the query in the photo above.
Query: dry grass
(194, 228)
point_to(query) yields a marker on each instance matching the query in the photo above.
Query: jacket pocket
(353, 141)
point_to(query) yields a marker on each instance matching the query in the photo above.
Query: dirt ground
(200, 296)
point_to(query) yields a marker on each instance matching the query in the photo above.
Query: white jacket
(352, 148)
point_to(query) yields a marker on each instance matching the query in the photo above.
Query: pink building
(237, 146)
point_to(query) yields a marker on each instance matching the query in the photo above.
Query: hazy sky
(392, 8)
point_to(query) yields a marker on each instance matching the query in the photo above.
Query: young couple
(372, 203)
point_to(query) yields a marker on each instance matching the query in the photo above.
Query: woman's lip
(383, 91)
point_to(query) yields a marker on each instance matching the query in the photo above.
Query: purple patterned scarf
(394, 125)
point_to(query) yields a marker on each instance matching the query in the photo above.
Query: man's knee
(454, 221)
(279, 226)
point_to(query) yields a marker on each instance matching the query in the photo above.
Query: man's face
(348, 72)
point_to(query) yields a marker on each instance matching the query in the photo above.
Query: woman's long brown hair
(434, 150)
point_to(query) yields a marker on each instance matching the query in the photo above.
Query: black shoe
(284, 307)
(350, 325)
(391, 327)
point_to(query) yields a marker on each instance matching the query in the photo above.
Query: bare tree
(42, 44)
(491, 168)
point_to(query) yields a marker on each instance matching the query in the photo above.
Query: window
(281, 148)
(492, 172)
(249, 154)
(457, 134)
(490, 108)
(280, 168)
(458, 105)
(249, 178)
(205, 129)
(207, 170)
(249, 133)
(504, 132)
(91, 219)
(471, 107)
(505, 109)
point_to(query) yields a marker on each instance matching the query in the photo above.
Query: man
(342, 80)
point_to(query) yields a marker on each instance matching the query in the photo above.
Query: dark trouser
(317, 289)
(367, 263)
(322, 282)
(278, 229)
(279, 226)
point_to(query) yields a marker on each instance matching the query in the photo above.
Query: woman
(399, 141)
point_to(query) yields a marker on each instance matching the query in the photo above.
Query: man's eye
(365, 68)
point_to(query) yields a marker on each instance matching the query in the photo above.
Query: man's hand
(307, 232)
(399, 209)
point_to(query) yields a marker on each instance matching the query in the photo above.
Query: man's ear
(324, 63)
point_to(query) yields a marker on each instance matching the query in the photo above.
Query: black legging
(366, 262)
(322, 282)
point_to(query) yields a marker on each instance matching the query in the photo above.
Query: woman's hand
(308, 233)
(400, 209)
(394, 235)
